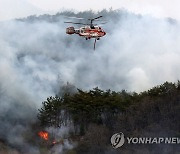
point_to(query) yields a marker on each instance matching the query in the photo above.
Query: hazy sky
(19, 8)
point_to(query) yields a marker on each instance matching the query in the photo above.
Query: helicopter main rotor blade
(96, 18)
(103, 23)
(76, 23)
(100, 20)
(74, 17)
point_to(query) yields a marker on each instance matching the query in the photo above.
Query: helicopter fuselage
(87, 31)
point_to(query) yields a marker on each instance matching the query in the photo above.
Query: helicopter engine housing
(70, 30)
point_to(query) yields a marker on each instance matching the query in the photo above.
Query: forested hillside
(96, 115)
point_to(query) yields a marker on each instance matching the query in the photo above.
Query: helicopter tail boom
(70, 30)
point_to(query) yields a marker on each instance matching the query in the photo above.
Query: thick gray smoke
(37, 57)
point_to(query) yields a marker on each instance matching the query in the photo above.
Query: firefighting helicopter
(88, 31)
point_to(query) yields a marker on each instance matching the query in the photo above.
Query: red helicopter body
(88, 31)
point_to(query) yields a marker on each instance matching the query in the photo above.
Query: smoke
(37, 57)
(61, 139)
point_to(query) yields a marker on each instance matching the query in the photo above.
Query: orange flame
(44, 135)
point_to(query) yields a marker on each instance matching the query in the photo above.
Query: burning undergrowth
(44, 135)
(56, 140)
